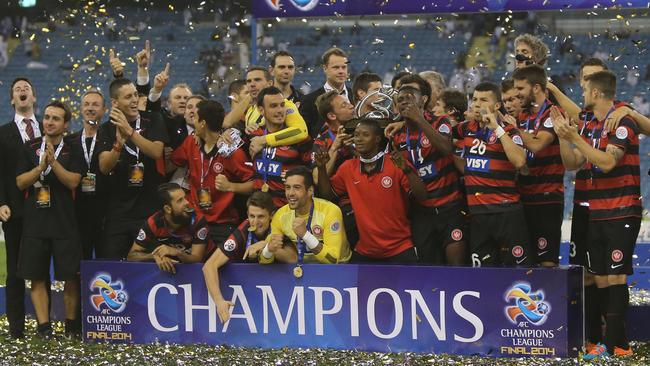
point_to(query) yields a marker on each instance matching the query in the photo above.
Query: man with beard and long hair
(176, 233)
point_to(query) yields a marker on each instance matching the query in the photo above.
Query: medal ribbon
(135, 153)
(88, 155)
(301, 244)
(42, 156)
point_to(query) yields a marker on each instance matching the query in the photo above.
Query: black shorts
(36, 254)
(408, 256)
(433, 230)
(350, 223)
(578, 245)
(544, 223)
(610, 245)
(499, 239)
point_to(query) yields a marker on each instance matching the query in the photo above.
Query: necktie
(29, 129)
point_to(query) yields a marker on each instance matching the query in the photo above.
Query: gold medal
(297, 272)
(265, 187)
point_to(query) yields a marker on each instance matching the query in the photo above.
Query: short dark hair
(67, 115)
(262, 200)
(456, 101)
(324, 104)
(605, 81)
(593, 61)
(533, 74)
(267, 74)
(303, 171)
(507, 85)
(115, 86)
(487, 86)
(397, 77)
(423, 85)
(212, 113)
(236, 86)
(13, 83)
(362, 81)
(269, 90)
(332, 51)
(280, 54)
(377, 128)
(165, 192)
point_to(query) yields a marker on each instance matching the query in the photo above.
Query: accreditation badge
(89, 183)
(43, 198)
(205, 200)
(136, 175)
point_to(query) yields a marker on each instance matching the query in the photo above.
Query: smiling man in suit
(13, 135)
(335, 67)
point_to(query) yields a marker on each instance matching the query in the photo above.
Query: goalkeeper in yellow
(314, 226)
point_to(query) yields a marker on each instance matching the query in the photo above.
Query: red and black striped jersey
(436, 169)
(239, 240)
(323, 142)
(272, 161)
(616, 194)
(155, 232)
(543, 183)
(489, 175)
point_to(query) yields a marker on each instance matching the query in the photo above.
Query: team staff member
(271, 162)
(49, 172)
(176, 233)
(384, 227)
(314, 225)
(612, 160)
(541, 181)
(335, 67)
(437, 223)
(90, 195)
(493, 153)
(23, 128)
(207, 166)
(244, 244)
(130, 151)
(283, 70)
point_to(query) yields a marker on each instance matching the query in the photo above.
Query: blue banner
(310, 8)
(501, 312)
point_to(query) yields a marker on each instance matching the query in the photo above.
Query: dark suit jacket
(11, 145)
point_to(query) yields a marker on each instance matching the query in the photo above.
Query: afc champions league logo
(108, 295)
(303, 5)
(528, 305)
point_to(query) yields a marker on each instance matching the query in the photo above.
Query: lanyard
(249, 241)
(135, 153)
(596, 135)
(266, 158)
(205, 174)
(56, 155)
(413, 154)
(88, 155)
(301, 244)
(484, 134)
(331, 134)
(537, 118)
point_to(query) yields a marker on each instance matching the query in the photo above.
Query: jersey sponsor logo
(335, 226)
(202, 233)
(617, 255)
(141, 235)
(477, 164)
(425, 142)
(272, 168)
(517, 251)
(457, 234)
(443, 129)
(217, 167)
(386, 182)
(317, 230)
(517, 140)
(542, 243)
(229, 245)
(548, 123)
(427, 171)
(621, 133)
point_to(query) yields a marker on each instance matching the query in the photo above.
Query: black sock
(619, 298)
(593, 323)
(603, 301)
(73, 325)
(45, 327)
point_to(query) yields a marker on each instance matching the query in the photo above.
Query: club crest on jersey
(284, 148)
(621, 133)
(38, 152)
(517, 140)
(229, 245)
(425, 142)
(444, 129)
(517, 251)
(548, 123)
(617, 256)
(217, 167)
(141, 235)
(492, 139)
(457, 234)
(603, 134)
(317, 230)
(202, 233)
(386, 182)
(542, 243)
